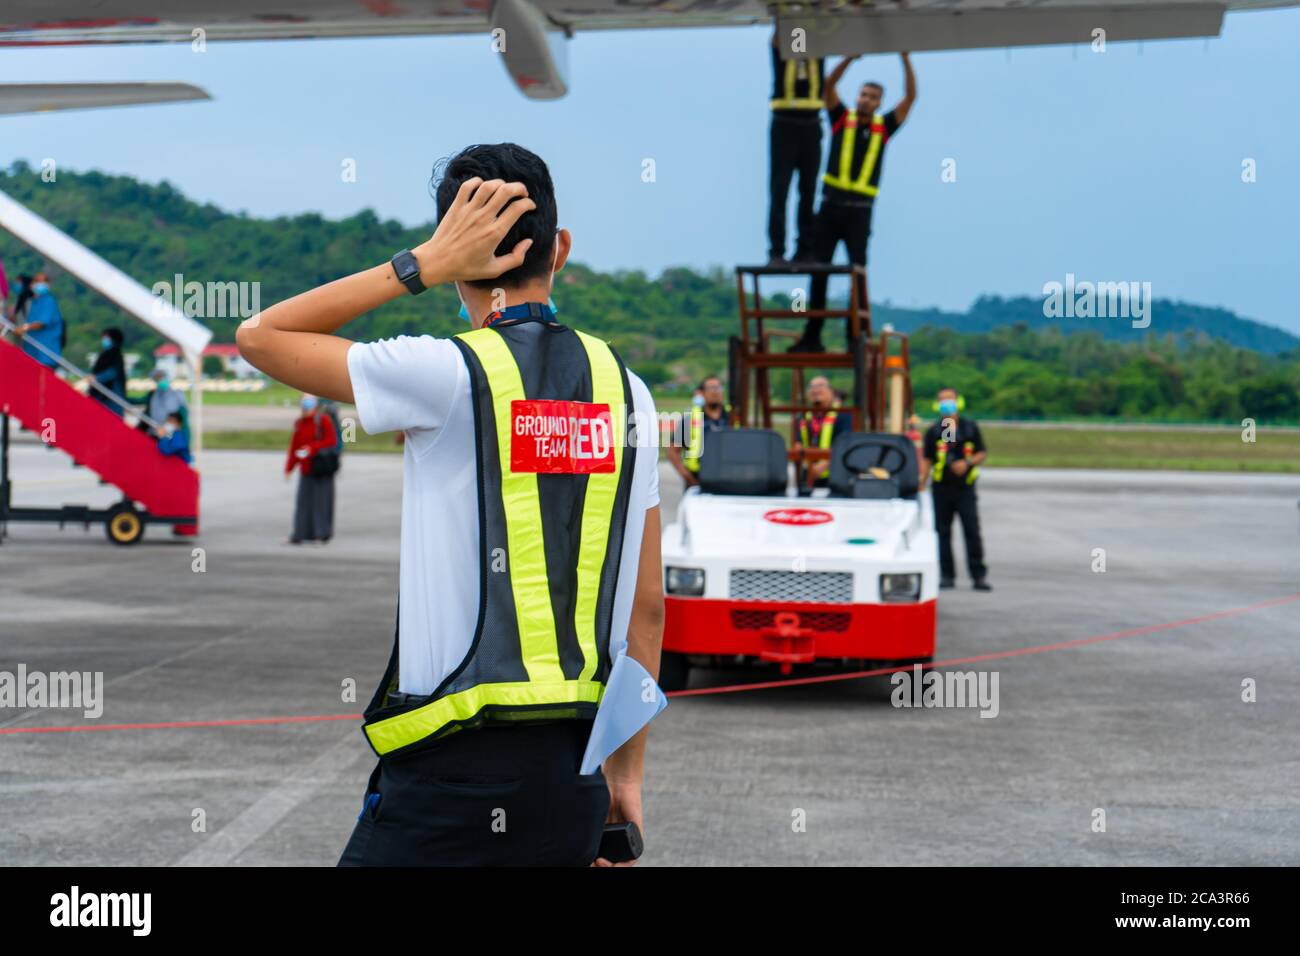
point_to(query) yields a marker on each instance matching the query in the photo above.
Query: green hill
(1204, 364)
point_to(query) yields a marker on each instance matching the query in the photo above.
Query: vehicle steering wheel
(860, 459)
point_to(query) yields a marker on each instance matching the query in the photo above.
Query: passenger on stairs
(175, 439)
(109, 371)
(164, 401)
(43, 327)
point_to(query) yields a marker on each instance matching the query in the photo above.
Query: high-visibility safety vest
(824, 437)
(941, 460)
(796, 84)
(843, 178)
(695, 446)
(554, 478)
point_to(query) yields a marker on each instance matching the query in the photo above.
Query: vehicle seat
(858, 458)
(743, 461)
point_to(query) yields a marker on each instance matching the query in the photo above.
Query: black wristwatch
(408, 271)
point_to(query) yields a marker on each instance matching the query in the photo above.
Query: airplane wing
(43, 97)
(529, 34)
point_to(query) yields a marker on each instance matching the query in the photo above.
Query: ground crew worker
(795, 146)
(820, 426)
(852, 180)
(709, 413)
(953, 451)
(530, 532)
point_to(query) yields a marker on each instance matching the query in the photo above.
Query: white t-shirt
(420, 385)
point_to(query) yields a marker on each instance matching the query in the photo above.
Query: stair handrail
(7, 327)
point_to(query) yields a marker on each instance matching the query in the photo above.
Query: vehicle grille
(820, 587)
(836, 621)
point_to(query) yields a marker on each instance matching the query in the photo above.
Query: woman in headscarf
(110, 371)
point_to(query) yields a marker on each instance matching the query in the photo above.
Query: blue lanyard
(525, 312)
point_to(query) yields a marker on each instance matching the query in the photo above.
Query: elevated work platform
(881, 396)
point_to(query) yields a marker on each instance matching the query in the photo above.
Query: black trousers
(837, 222)
(950, 501)
(795, 146)
(492, 796)
(313, 512)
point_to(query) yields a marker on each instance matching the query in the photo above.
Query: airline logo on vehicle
(798, 516)
(559, 437)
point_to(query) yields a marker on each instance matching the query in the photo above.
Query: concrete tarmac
(1149, 727)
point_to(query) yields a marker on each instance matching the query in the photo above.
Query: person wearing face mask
(312, 453)
(952, 451)
(109, 371)
(43, 328)
(174, 440)
(530, 535)
(163, 402)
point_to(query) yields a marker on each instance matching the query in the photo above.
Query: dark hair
(513, 164)
(878, 86)
(115, 335)
(707, 379)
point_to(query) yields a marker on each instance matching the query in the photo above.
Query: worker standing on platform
(953, 450)
(795, 146)
(819, 427)
(852, 180)
(709, 413)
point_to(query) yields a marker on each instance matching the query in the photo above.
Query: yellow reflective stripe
(523, 515)
(873, 153)
(788, 100)
(940, 459)
(598, 505)
(828, 429)
(695, 439)
(395, 732)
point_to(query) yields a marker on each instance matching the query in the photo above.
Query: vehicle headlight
(688, 581)
(900, 587)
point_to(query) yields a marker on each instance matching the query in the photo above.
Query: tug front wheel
(124, 524)
(674, 671)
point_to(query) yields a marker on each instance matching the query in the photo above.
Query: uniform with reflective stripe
(824, 437)
(695, 443)
(797, 84)
(843, 177)
(550, 546)
(941, 462)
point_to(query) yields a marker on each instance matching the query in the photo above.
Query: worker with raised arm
(794, 145)
(530, 569)
(852, 179)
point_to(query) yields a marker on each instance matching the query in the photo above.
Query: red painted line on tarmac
(995, 655)
(729, 689)
(182, 724)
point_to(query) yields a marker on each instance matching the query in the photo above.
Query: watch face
(407, 267)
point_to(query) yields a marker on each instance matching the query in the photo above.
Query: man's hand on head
(464, 244)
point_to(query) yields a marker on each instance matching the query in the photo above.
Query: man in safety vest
(819, 427)
(795, 145)
(708, 413)
(852, 180)
(530, 532)
(952, 452)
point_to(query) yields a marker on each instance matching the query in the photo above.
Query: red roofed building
(168, 358)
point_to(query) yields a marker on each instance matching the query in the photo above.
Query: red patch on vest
(557, 437)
